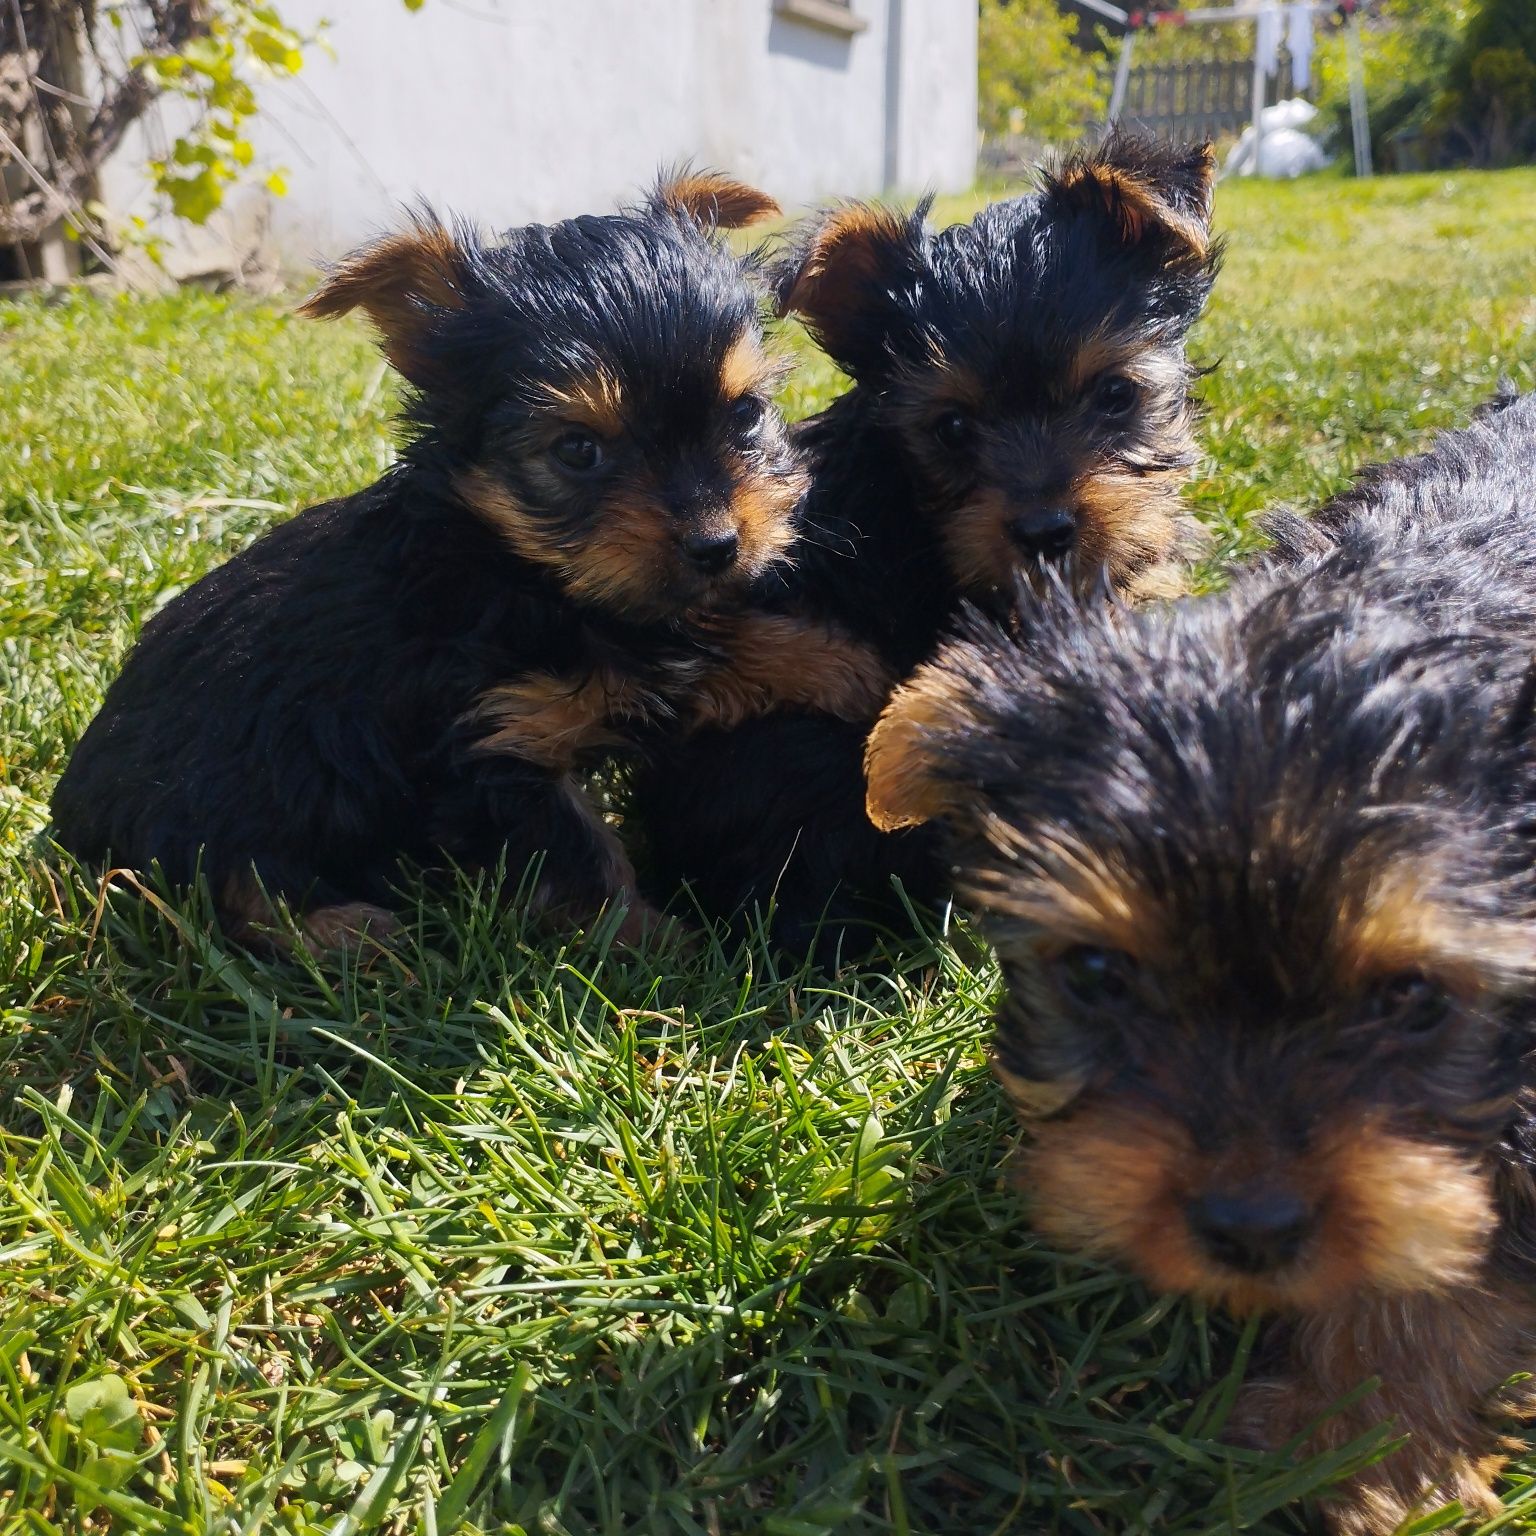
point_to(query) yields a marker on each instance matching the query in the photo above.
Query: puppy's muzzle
(1045, 533)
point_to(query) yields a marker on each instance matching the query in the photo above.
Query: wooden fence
(1207, 99)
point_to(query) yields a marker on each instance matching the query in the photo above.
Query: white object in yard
(1282, 149)
(1294, 113)
(1298, 41)
(1266, 47)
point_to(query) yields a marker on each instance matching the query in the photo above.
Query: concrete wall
(512, 110)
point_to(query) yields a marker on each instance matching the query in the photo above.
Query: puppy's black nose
(1046, 534)
(711, 552)
(1252, 1233)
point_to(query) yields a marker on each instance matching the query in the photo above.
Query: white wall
(512, 110)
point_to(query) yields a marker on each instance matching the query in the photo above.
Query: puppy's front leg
(776, 661)
(512, 791)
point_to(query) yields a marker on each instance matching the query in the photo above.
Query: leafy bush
(1487, 112)
(1406, 52)
(1033, 79)
(1448, 82)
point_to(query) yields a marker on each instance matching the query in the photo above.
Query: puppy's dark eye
(1116, 396)
(953, 430)
(1094, 977)
(578, 450)
(747, 416)
(1412, 1005)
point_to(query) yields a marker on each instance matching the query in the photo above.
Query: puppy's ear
(906, 760)
(1154, 195)
(843, 272)
(401, 282)
(713, 200)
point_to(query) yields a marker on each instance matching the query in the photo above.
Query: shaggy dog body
(555, 571)
(1259, 873)
(1021, 399)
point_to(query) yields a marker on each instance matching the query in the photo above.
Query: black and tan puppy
(1021, 399)
(553, 572)
(1259, 873)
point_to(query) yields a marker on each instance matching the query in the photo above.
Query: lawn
(562, 1239)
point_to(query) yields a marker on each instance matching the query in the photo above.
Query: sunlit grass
(554, 1238)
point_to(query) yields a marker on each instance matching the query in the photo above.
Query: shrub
(1032, 78)
(1406, 51)
(1487, 110)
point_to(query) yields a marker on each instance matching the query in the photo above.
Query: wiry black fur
(1382, 678)
(306, 711)
(1358, 704)
(775, 810)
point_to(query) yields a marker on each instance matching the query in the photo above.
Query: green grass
(560, 1239)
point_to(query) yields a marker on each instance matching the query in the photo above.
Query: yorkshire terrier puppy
(1258, 871)
(554, 572)
(1021, 399)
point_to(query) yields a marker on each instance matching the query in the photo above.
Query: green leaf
(190, 152)
(278, 49)
(104, 1413)
(194, 197)
(209, 57)
(190, 1308)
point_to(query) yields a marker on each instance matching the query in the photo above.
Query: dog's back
(1449, 533)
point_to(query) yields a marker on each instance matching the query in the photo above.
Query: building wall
(514, 110)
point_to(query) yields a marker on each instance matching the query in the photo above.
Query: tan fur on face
(746, 369)
(1034, 1098)
(626, 567)
(1401, 928)
(525, 534)
(714, 200)
(1441, 1359)
(595, 400)
(1393, 1214)
(1131, 524)
(981, 556)
(903, 757)
(762, 512)
(1159, 370)
(391, 281)
(1069, 891)
(632, 564)
(937, 387)
(629, 566)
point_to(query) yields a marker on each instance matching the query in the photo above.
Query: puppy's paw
(357, 927)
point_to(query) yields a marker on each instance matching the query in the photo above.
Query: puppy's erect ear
(713, 200)
(1154, 194)
(905, 758)
(400, 281)
(842, 273)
